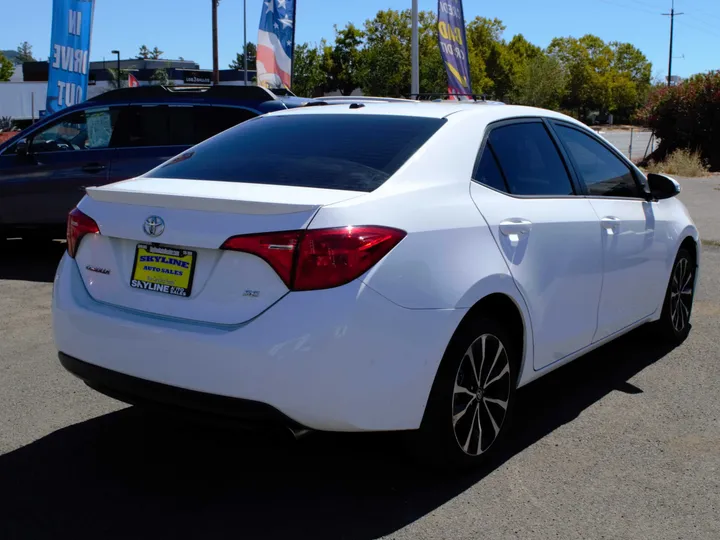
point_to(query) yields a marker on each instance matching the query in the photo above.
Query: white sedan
(371, 267)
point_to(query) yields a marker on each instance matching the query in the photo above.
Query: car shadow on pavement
(129, 475)
(30, 260)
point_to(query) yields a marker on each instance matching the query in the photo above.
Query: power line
(698, 20)
(616, 4)
(708, 31)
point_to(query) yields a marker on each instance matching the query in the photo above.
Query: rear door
(148, 135)
(548, 234)
(63, 158)
(633, 241)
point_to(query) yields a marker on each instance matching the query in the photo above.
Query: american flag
(275, 43)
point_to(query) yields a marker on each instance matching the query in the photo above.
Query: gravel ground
(624, 443)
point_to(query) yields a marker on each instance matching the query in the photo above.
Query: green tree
(433, 78)
(484, 41)
(6, 68)
(386, 58)
(632, 79)
(344, 59)
(239, 62)
(24, 51)
(309, 77)
(146, 54)
(543, 84)
(160, 77)
(614, 77)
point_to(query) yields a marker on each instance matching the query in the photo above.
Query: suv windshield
(332, 151)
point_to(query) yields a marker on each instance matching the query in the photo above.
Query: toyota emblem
(154, 226)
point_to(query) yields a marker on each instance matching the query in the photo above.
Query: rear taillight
(78, 225)
(277, 249)
(320, 258)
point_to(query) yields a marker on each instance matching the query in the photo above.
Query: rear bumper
(135, 391)
(343, 359)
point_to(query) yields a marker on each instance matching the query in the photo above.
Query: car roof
(445, 109)
(251, 97)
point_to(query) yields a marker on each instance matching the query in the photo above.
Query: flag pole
(294, 26)
(415, 80)
(245, 51)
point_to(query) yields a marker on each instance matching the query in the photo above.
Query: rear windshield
(332, 151)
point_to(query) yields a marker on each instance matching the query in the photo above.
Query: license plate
(163, 269)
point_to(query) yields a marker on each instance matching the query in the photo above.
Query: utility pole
(415, 54)
(216, 72)
(672, 16)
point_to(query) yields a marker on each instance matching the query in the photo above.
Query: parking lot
(626, 444)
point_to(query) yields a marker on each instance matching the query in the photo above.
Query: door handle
(515, 228)
(611, 224)
(93, 167)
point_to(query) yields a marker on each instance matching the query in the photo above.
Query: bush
(686, 116)
(681, 162)
(7, 124)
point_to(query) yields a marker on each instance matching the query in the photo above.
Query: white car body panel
(308, 351)
(561, 285)
(222, 278)
(362, 356)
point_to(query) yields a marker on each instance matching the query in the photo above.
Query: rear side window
(529, 160)
(210, 121)
(488, 172)
(604, 173)
(174, 125)
(333, 151)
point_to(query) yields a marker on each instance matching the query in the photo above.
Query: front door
(548, 235)
(634, 253)
(63, 158)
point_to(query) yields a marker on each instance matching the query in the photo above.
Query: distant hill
(10, 55)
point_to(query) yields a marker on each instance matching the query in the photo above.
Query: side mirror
(662, 186)
(21, 147)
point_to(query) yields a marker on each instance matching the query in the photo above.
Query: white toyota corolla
(371, 267)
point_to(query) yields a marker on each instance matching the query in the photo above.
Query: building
(24, 98)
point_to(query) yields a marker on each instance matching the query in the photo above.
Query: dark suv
(45, 169)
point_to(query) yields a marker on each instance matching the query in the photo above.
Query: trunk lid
(181, 272)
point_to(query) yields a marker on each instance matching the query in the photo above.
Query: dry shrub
(681, 162)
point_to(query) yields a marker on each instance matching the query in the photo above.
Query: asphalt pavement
(624, 443)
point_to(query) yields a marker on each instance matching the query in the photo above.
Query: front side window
(82, 130)
(529, 160)
(604, 173)
(333, 151)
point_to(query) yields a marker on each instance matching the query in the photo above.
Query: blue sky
(182, 27)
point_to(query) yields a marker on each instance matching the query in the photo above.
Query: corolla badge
(154, 226)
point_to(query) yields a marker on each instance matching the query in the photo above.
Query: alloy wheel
(681, 295)
(481, 394)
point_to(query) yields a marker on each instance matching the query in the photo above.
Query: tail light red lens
(332, 257)
(277, 249)
(320, 258)
(78, 225)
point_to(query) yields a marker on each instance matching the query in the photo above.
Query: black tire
(674, 324)
(449, 436)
